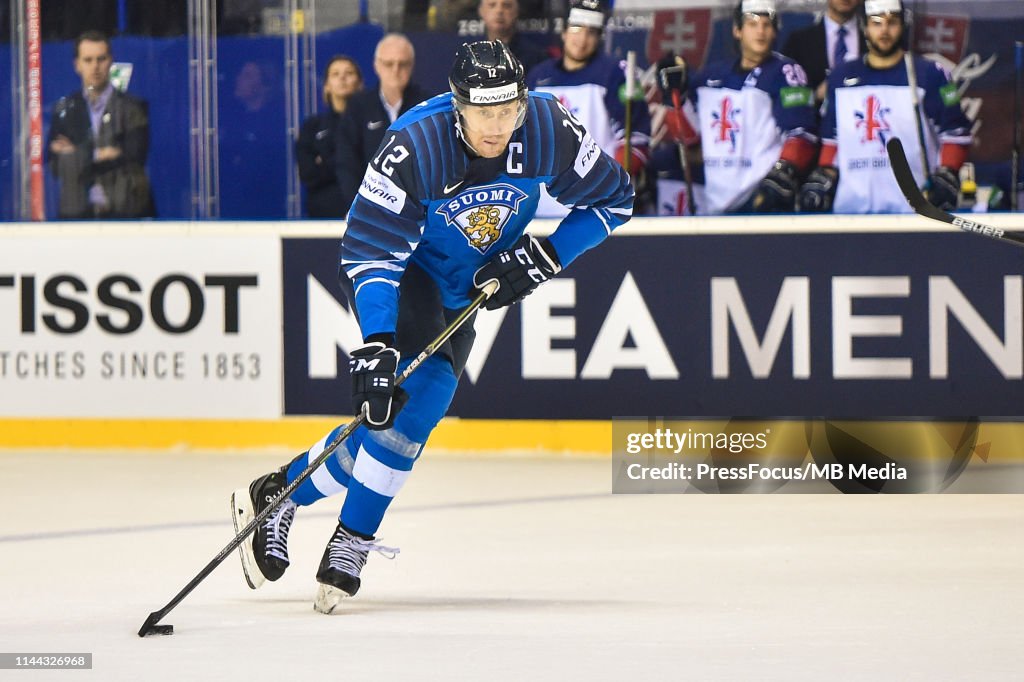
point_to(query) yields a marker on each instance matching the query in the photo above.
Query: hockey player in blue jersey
(756, 121)
(868, 102)
(591, 85)
(442, 211)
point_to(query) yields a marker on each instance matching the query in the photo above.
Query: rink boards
(235, 334)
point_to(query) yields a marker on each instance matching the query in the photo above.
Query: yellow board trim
(294, 434)
(1000, 441)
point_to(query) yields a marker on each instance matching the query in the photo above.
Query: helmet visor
(500, 119)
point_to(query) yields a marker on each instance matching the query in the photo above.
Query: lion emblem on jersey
(484, 226)
(481, 213)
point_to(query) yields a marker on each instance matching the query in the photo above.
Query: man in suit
(98, 142)
(370, 113)
(499, 17)
(835, 37)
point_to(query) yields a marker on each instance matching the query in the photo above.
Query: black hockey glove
(944, 188)
(372, 368)
(518, 271)
(820, 189)
(671, 77)
(777, 191)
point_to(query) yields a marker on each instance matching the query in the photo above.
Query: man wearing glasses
(370, 113)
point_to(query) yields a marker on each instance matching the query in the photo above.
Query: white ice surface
(512, 568)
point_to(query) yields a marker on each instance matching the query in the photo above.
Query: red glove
(637, 160)
(679, 128)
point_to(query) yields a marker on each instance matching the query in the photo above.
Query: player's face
(342, 79)
(883, 33)
(755, 34)
(579, 43)
(93, 63)
(499, 16)
(488, 129)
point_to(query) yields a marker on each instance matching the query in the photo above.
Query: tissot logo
(66, 303)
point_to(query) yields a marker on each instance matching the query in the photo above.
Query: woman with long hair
(315, 146)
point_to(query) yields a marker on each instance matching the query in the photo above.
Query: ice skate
(340, 566)
(264, 553)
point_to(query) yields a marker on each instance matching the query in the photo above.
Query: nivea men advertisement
(799, 325)
(160, 326)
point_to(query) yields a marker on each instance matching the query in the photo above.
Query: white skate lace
(277, 526)
(348, 553)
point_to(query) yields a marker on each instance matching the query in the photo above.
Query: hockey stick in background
(1018, 106)
(673, 81)
(151, 625)
(915, 99)
(630, 87)
(905, 179)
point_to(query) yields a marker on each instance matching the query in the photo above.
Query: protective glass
(496, 119)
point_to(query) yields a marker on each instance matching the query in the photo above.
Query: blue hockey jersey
(425, 200)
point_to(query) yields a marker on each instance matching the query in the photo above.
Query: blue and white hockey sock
(385, 458)
(331, 477)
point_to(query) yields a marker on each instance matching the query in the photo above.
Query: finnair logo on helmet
(875, 7)
(504, 93)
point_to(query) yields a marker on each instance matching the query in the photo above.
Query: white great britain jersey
(745, 119)
(866, 107)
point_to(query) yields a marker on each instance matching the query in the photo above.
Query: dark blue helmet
(485, 73)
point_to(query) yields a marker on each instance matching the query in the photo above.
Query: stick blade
(150, 627)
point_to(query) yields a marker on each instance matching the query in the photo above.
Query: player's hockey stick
(673, 80)
(627, 159)
(915, 99)
(905, 179)
(151, 625)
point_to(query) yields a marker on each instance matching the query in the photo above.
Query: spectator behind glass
(371, 112)
(98, 142)
(818, 47)
(315, 147)
(499, 17)
(251, 123)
